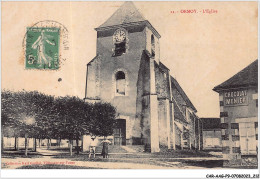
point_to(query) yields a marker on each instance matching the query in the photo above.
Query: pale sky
(201, 50)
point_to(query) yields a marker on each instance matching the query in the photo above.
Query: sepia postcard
(130, 85)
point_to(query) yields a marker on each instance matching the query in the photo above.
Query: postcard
(130, 85)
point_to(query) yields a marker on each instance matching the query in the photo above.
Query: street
(126, 158)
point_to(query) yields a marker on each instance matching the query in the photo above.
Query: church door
(120, 132)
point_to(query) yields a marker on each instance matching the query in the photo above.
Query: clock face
(120, 35)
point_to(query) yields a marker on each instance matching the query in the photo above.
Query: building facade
(152, 108)
(238, 99)
(211, 134)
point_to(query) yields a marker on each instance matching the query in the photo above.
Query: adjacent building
(211, 130)
(153, 110)
(238, 100)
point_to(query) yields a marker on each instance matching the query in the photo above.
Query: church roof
(178, 114)
(127, 13)
(183, 94)
(163, 66)
(245, 78)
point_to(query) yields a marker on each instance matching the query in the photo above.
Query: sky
(201, 50)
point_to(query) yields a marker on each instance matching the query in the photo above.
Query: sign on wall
(235, 97)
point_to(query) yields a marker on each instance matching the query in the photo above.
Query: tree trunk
(48, 144)
(17, 144)
(71, 146)
(77, 142)
(35, 145)
(39, 143)
(82, 143)
(2, 142)
(25, 145)
(59, 141)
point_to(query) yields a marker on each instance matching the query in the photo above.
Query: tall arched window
(120, 83)
(152, 45)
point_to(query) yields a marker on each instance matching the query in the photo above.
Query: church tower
(123, 73)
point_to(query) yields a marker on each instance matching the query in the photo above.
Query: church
(153, 110)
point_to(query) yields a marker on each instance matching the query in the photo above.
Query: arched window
(120, 48)
(152, 45)
(120, 83)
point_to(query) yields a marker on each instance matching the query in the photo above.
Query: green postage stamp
(42, 48)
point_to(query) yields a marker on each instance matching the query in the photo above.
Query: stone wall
(130, 63)
(229, 116)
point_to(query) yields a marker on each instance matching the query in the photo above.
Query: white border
(116, 173)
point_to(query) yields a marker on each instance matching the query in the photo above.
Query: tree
(102, 119)
(26, 113)
(40, 116)
(72, 121)
(8, 121)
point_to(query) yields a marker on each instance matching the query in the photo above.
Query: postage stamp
(42, 48)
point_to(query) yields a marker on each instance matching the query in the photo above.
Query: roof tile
(246, 77)
(127, 13)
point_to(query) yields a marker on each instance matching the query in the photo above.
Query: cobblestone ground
(126, 159)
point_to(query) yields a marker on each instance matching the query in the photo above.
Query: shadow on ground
(20, 154)
(50, 166)
(206, 164)
(164, 159)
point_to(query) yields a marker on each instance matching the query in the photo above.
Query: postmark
(46, 45)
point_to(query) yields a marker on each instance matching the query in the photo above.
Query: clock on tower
(120, 38)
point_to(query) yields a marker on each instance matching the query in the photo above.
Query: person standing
(105, 147)
(92, 147)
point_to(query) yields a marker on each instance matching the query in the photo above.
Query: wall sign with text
(235, 97)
